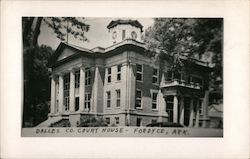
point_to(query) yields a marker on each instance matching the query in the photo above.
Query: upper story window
(108, 99)
(133, 35)
(87, 101)
(87, 76)
(154, 99)
(119, 72)
(77, 79)
(155, 76)
(118, 97)
(123, 34)
(66, 81)
(109, 74)
(138, 102)
(139, 72)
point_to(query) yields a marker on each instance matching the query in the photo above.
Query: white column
(93, 105)
(72, 91)
(191, 117)
(161, 104)
(82, 89)
(53, 95)
(205, 107)
(60, 93)
(197, 113)
(182, 111)
(175, 109)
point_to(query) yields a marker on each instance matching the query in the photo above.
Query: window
(117, 120)
(123, 34)
(66, 87)
(139, 71)
(66, 103)
(77, 79)
(119, 72)
(76, 103)
(87, 100)
(133, 35)
(154, 121)
(154, 98)
(108, 99)
(138, 121)
(118, 98)
(138, 103)
(109, 74)
(107, 120)
(155, 76)
(87, 76)
(66, 80)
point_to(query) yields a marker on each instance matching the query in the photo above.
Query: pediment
(65, 53)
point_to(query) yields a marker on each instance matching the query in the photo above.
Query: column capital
(82, 67)
(125, 64)
(53, 76)
(73, 70)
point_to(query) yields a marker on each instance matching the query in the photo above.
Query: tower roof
(135, 23)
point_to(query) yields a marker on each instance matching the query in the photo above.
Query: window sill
(155, 110)
(138, 108)
(139, 81)
(155, 84)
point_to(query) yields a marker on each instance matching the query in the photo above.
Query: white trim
(139, 73)
(141, 107)
(156, 76)
(152, 92)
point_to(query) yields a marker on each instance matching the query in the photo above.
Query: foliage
(35, 62)
(36, 84)
(193, 38)
(91, 121)
(67, 25)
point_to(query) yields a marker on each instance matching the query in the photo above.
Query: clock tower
(124, 29)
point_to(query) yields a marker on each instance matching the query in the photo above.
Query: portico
(68, 92)
(183, 102)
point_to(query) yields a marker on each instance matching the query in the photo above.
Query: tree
(37, 88)
(35, 60)
(193, 38)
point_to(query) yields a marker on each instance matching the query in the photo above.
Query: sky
(97, 34)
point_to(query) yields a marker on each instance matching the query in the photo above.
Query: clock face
(133, 35)
(114, 35)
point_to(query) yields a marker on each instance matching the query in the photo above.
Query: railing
(181, 83)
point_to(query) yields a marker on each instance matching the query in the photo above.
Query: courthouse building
(122, 84)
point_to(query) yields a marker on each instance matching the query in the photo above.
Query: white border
(234, 144)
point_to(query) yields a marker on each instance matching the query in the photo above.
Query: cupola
(124, 29)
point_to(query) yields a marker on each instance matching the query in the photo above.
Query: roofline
(114, 23)
(113, 48)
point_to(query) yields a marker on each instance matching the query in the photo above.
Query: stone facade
(124, 86)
